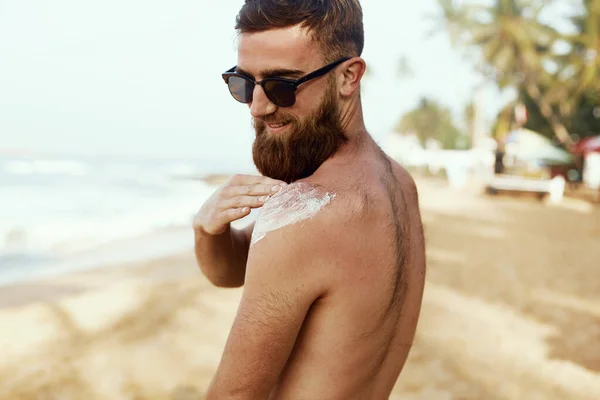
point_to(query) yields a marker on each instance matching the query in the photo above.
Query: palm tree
(579, 67)
(585, 55)
(512, 44)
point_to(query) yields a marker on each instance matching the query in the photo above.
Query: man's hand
(234, 201)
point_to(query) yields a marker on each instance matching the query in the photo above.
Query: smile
(277, 127)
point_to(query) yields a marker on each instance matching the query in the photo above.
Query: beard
(298, 153)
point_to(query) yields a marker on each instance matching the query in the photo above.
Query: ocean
(66, 213)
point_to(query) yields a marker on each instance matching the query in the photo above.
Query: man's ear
(352, 75)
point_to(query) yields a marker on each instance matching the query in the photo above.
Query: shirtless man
(333, 273)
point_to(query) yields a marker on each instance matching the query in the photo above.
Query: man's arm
(222, 251)
(282, 282)
(222, 258)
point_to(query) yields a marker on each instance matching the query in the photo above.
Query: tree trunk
(560, 131)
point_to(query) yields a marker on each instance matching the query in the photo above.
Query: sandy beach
(511, 311)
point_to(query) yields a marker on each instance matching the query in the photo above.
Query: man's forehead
(287, 48)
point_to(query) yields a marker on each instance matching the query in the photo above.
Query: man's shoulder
(404, 178)
(305, 216)
(337, 203)
(296, 237)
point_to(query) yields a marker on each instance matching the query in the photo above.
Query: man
(332, 283)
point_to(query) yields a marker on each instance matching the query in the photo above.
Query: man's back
(355, 338)
(333, 276)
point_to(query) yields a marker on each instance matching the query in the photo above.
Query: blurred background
(115, 127)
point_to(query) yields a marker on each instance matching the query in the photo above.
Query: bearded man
(333, 268)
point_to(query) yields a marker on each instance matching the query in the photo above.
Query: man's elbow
(224, 282)
(236, 394)
(227, 284)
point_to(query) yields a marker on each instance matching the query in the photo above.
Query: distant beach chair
(554, 187)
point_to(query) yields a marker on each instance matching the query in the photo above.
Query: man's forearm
(222, 258)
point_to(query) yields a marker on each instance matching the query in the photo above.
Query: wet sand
(511, 311)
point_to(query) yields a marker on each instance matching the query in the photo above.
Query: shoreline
(128, 259)
(91, 235)
(139, 248)
(53, 288)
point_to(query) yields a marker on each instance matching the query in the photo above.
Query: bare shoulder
(304, 216)
(314, 219)
(409, 193)
(404, 178)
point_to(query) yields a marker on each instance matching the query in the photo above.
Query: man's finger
(251, 190)
(234, 214)
(254, 180)
(243, 201)
(265, 189)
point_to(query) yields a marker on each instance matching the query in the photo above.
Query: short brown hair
(336, 25)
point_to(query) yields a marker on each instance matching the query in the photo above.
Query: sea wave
(51, 208)
(62, 228)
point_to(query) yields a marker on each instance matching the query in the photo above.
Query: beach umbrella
(525, 139)
(547, 155)
(528, 145)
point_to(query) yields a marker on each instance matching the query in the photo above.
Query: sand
(511, 311)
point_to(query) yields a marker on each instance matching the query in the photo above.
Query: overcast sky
(143, 77)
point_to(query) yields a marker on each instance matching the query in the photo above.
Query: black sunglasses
(280, 91)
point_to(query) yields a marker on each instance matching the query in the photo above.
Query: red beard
(299, 153)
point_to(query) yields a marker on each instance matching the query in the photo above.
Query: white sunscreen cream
(293, 203)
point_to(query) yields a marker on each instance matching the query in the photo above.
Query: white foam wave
(79, 221)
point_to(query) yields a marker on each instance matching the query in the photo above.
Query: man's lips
(276, 127)
(276, 124)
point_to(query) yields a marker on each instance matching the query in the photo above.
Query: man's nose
(261, 105)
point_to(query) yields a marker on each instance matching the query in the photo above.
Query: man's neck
(348, 156)
(359, 142)
(355, 130)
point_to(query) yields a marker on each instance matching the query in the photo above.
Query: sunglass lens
(241, 89)
(280, 93)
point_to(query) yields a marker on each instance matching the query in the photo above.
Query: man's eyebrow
(274, 73)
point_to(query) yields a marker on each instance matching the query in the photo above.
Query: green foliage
(430, 120)
(584, 59)
(510, 40)
(517, 50)
(584, 121)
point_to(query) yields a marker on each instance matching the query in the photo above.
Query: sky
(143, 78)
